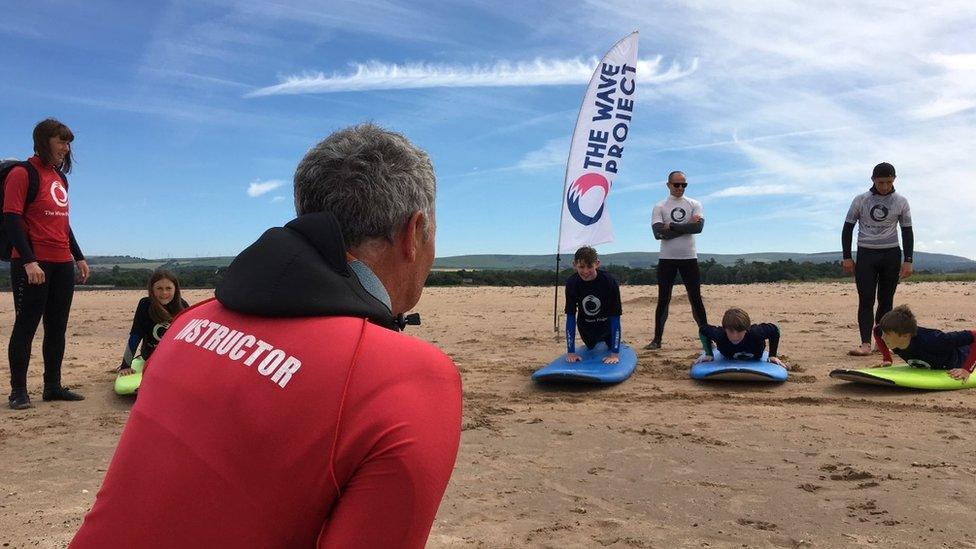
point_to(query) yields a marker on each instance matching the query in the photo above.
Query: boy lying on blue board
(899, 331)
(593, 306)
(738, 339)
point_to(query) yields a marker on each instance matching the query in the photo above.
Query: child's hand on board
(961, 374)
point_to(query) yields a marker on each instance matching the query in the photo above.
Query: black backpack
(33, 184)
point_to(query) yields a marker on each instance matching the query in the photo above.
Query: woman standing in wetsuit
(880, 262)
(43, 258)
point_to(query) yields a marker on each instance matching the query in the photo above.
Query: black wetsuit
(594, 307)
(750, 348)
(879, 258)
(145, 330)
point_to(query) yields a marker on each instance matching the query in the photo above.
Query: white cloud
(377, 75)
(757, 190)
(279, 198)
(257, 187)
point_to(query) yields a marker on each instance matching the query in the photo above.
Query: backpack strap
(33, 183)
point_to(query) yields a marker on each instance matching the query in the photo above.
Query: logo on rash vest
(879, 212)
(916, 363)
(591, 305)
(159, 331)
(59, 194)
(678, 215)
(742, 355)
(586, 183)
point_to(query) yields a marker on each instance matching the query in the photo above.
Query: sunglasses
(679, 185)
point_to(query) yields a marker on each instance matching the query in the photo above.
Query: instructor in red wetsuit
(290, 411)
(43, 255)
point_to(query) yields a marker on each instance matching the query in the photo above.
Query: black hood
(300, 270)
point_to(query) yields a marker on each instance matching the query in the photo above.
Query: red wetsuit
(46, 218)
(249, 431)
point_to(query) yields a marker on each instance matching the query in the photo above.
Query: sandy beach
(657, 461)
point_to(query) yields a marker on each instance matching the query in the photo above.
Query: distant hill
(942, 263)
(923, 261)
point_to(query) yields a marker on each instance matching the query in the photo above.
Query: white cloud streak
(257, 188)
(377, 75)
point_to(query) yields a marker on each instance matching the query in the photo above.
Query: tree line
(711, 273)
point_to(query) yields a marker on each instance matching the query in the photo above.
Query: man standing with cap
(880, 262)
(675, 221)
(290, 411)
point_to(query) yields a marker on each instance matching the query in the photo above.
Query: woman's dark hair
(43, 132)
(159, 313)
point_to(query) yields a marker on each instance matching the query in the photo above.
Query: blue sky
(190, 117)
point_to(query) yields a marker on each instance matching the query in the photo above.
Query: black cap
(883, 169)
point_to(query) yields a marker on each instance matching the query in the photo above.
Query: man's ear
(413, 236)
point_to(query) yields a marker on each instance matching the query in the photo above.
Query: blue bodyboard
(591, 369)
(739, 370)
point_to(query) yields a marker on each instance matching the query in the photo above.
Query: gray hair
(371, 179)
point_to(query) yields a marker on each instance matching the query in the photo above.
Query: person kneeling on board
(593, 306)
(899, 331)
(738, 339)
(153, 317)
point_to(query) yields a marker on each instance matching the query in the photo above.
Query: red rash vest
(46, 218)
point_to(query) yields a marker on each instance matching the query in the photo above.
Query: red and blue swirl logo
(586, 183)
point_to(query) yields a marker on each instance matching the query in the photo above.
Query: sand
(657, 461)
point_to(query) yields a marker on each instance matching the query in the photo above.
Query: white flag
(598, 147)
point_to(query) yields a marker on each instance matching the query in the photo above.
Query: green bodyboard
(127, 385)
(905, 376)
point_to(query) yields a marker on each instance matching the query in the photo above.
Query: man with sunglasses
(675, 221)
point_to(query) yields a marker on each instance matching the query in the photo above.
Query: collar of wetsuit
(300, 270)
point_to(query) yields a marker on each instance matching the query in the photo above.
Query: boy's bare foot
(863, 350)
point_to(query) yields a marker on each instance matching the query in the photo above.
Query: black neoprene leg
(889, 269)
(866, 272)
(29, 303)
(667, 269)
(691, 276)
(61, 278)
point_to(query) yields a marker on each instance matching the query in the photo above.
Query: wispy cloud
(257, 188)
(757, 190)
(377, 75)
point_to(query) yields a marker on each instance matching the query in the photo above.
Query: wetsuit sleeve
(969, 363)
(885, 351)
(135, 332)
(693, 227)
(615, 333)
(17, 233)
(706, 340)
(908, 242)
(660, 233)
(411, 429)
(770, 332)
(571, 333)
(847, 239)
(706, 334)
(75, 248)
